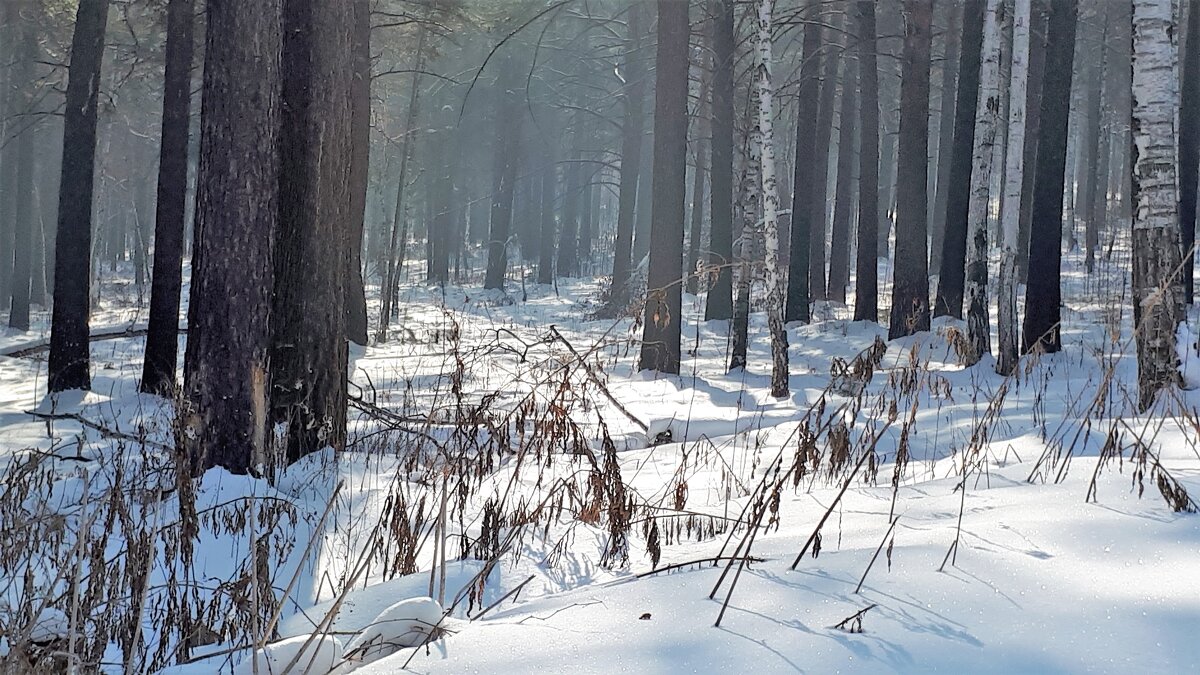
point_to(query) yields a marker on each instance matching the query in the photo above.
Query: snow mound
(408, 623)
(321, 655)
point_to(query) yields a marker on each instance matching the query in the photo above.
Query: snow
(1046, 575)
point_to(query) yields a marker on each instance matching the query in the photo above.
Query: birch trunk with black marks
(1010, 207)
(770, 201)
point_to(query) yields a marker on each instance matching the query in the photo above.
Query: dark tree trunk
(1189, 149)
(719, 304)
(162, 337)
(803, 229)
(631, 154)
(237, 200)
(8, 174)
(568, 245)
(546, 251)
(360, 139)
(645, 203)
(820, 161)
(1039, 13)
(1043, 292)
(587, 214)
(843, 202)
(308, 318)
(1091, 138)
(23, 228)
(910, 288)
(952, 268)
(949, 90)
(660, 338)
(69, 359)
(503, 176)
(866, 283)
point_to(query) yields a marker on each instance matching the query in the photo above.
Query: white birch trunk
(1010, 204)
(1157, 284)
(987, 122)
(770, 200)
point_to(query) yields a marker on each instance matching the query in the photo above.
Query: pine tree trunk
(952, 270)
(866, 282)
(770, 200)
(503, 177)
(660, 338)
(987, 126)
(1010, 213)
(803, 229)
(1157, 287)
(23, 229)
(818, 243)
(69, 353)
(1189, 149)
(631, 154)
(308, 318)
(360, 158)
(910, 286)
(719, 304)
(1043, 292)
(162, 337)
(945, 149)
(700, 140)
(1091, 138)
(1038, 27)
(237, 208)
(568, 244)
(839, 248)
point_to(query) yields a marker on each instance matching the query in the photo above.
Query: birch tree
(770, 200)
(1157, 285)
(1010, 205)
(987, 124)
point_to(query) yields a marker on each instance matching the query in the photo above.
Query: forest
(449, 336)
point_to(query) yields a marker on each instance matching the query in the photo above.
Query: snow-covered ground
(513, 417)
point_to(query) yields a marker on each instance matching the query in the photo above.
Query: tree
(839, 248)
(633, 97)
(1010, 205)
(360, 130)
(546, 250)
(1189, 150)
(949, 89)
(910, 285)
(568, 243)
(660, 336)
(162, 337)
(866, 284)
(237, 208)
(1157, 284)
(69, 353)
(988, 111)
(1038, 25)
(770, 200)
(952, 270)
(719, 304)
(1043, 293)
(23, 229)
(818, 198)
(504, 173)
(798, 291)
(748, 207)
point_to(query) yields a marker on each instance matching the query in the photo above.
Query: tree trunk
(839, 248)
(503, 176)
(631, 154)
(568, 244)
(951, 274)
(910, 286)
(988, 109)
(803, 229)
(546, 252)
(308, 318)
(360, 157)
(1091, 138)
(23, 229)
(69, 353)
(162, 336)
(770, 200)
(1043, 293)
(1038, 26)
(748, 207)
(945, 149)
(237, 208)
(820, 161)
(719, 304)
(1157, 287)
(1010, 214)
(1189, 149)
(660, 337)
(702, 135)
(866, 281)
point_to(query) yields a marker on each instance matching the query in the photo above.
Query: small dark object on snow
(853, 624)
(661, 438)
(644, 617)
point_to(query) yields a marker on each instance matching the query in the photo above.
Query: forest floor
(1034, 524)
